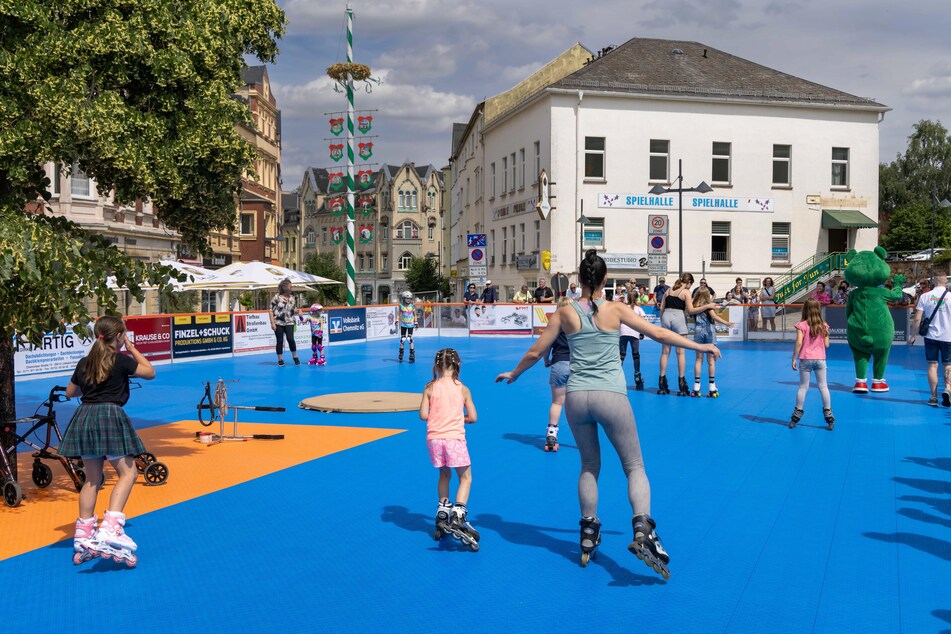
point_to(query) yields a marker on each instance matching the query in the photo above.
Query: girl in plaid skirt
(100, 430)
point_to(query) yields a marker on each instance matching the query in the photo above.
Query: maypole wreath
(339, 71)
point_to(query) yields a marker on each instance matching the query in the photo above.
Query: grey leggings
(585, 411)
(820, 383)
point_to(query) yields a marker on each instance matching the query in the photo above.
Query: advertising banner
(540, 313)
(348, 324)
(835, 317)
(668, 201)
(252, 332)
(500, 319)
(57, 353)
(381, 322)
(152, 336)
(201, 335)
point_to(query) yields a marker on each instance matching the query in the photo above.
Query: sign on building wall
(695, 203)
(625, 260)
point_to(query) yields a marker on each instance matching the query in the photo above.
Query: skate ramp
(363, 402)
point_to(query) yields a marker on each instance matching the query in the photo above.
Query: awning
(846, 219)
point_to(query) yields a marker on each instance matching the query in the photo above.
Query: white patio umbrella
(192, 273)
(255, 275)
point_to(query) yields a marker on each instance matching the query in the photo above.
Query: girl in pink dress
(446, 407)
(809, 355)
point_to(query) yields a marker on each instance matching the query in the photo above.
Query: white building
(793, 166)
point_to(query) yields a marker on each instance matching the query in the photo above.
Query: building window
(721, 162)
(513, 171)
(209, 301)
(521, 235)
(492, 246)
(310, 238)
(840, 167)
(405, 259)
(431, 233)
(538, 161)
(505, 174)
(505, 244)
(478, 183)
(54, 178)
(407, 230)
(594, 233)
(660, 160)
(720, 242)
(492, 194)
(369, 261)
(780, 243)
(594, 157)
(521, 168)
(782, 165)
(384, 261)
(323, 237)
(414, 201)
(79, 183)
(467, 191)
(247, 224)
(384, 232)
(538, 231)
(359, 261)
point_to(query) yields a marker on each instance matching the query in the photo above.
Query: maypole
(351, 255)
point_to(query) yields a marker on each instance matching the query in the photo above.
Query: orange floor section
(47, 516)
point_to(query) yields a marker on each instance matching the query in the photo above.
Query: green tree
(139, 95)
(423, 275)
(325, 265)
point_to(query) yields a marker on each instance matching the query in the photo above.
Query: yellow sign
(546, 260)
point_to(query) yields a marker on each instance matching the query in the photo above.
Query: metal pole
(351, 283)
(680, 214)
(934, 211)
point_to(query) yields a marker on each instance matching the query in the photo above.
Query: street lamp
(702, 188)
(934, 212)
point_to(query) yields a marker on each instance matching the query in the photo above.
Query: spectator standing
(767, 300)
(543, 294)
(821, 295)
(490, 294)
(573, 292)
(934, 304)
(739, 294)
(660, 290)
(841, 294)
(523, 296)
(703, 284)
(470, 297)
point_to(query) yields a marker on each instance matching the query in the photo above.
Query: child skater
(446, 407)
(705, 332)
(812, 339)
(316, 334)
(407, 312)
(558, 358)
(100, 430)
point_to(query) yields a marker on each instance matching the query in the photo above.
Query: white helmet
(407, 296)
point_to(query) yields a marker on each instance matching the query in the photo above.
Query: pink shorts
(448, 452)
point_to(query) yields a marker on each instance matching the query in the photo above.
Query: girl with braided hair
(597, 395)
(447, 407)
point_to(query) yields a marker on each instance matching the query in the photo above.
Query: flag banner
(336, 151)
(364, 123)
(366, 234)
(336, 126)
(336, 180)
(336, 234)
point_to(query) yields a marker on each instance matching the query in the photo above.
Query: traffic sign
(657, 244)
(657, 264)
(657, 225)
(476, 256)
(476, 240)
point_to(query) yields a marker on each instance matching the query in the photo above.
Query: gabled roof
(458, 130)
(680, 68)
(290, 200)
(253, 74)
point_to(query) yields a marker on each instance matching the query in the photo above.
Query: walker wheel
(585, 558)
(12, 493)
(42, 475)
(156, 473)
(149, 457)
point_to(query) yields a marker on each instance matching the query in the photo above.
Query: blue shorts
(558, 377)
(935, 348)
(811, 365)
(705, 335)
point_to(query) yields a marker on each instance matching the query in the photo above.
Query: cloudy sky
(439, 58)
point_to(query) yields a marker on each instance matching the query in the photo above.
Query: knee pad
(410, 338)
(402, 340)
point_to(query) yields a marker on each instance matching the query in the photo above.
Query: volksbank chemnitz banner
(349, 324)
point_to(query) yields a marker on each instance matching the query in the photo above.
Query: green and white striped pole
(351, 285)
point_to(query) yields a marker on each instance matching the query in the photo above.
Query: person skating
(597, 395)
(705, 332)
(408, 320)
(316, 334)
(809, 356)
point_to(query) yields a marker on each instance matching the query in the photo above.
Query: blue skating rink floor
(769, 529)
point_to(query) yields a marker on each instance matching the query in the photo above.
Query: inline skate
(412, 355)
(830, 419)
(401, 352)
(682, 388)
(551, 438)
(461, 529)
(83, 540)
(638, 381)
(442, 520)
(590, 538)
(797, 414)
(662, 387)
(712, 391)
(111, 542)
(696, 389)
(315, 358)
(647, 546)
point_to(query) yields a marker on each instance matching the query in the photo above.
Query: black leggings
(635, 343)
(285, 331)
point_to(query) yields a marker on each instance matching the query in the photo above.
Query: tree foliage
(423, 275)
(325, 265)
(910, 186)
(139, 95)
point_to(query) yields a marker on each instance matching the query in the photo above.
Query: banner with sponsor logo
(540, 314)
(152, 336)
(500, 319)
(252, 332)
(302, 332)
(348, 324)
(835, 317)
(381, 322)
(201, 335)
(57, 353)
(690, 202)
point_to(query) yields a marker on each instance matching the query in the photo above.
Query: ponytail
(591, 273)
(102, 356)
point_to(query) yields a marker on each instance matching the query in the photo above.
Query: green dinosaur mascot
(870, 328)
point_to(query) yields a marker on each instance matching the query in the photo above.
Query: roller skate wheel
(474, 546)
(131, 561)
(585, 558)
(792, 424)
(555, 447)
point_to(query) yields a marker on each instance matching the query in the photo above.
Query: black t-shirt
(543, 293)
(115, 389)
(490, 295)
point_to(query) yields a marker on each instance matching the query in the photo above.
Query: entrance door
(838, 240)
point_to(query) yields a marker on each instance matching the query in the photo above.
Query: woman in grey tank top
(597, 395)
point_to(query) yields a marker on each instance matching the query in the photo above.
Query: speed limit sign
(657, 225)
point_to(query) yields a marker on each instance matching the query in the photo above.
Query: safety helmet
(316, 308)
(407, 296)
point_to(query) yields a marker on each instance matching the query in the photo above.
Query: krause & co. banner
(201, 335)
(152, 336)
